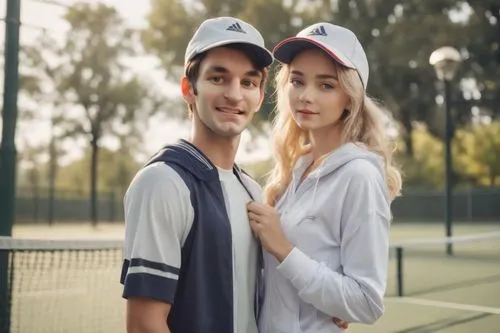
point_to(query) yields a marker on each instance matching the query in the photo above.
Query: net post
(5, 293)
(399, 270)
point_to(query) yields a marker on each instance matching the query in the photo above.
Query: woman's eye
(295, 82)
(327, 86)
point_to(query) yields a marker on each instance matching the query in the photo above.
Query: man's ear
(187, 90)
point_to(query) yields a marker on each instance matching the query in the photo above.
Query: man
(191, 263)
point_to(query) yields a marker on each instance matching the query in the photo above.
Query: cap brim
(260, 55)
(287, 49)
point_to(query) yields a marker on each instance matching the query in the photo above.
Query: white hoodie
(338, 219)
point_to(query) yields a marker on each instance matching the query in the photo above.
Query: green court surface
(447, 294)
(78, 291)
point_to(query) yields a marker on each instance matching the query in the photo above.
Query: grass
(70, 292)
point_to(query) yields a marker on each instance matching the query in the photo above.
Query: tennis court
(77, 289)
(444, 294)
(70, 284)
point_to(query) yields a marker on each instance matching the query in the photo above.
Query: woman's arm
(356, 295)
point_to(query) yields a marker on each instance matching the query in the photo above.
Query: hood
(330, 164)
(337, 159)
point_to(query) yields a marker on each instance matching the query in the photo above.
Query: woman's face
(316, 99)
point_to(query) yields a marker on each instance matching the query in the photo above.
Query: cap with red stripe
(338, 42)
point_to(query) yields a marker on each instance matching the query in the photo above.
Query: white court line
(53, 292)
(446, 305)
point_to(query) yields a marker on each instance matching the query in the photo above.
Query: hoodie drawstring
(316, 183)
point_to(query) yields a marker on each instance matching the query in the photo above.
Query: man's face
(228, 92)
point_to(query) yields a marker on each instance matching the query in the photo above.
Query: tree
(425, 168)
(73, 177)
(46, 77)
(476, 162)
(471, 27)
(398, 36)
(30, 180)
(100, 96)
(483, 52)
(479, 151)
(398, 53)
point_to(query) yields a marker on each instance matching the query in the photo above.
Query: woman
(325, 227)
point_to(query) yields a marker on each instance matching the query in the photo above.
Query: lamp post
(445, 61)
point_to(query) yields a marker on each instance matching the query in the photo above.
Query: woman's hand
(340, 323)
(265, 223)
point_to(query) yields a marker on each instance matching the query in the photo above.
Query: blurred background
(98, 94)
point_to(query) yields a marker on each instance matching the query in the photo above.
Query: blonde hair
(363, 124)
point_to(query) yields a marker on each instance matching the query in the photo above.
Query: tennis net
(60, 286)
(73, 285)
(422, 267)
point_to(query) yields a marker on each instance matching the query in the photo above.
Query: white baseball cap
(222, 31)
(338, 42)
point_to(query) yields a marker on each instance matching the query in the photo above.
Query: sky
(44, 16)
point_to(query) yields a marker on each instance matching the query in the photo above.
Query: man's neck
(220, 151)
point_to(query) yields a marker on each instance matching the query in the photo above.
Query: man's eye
(249, 83)
(216, 79)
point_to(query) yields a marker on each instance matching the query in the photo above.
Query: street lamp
(446, 61)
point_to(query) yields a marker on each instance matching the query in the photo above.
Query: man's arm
(158, 216)
(145, 315)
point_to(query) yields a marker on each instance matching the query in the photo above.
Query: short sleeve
(158, 217)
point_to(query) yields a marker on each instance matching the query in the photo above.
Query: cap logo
(320, 31)
(236, 27)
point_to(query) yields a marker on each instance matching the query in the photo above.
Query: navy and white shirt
(188, 241)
